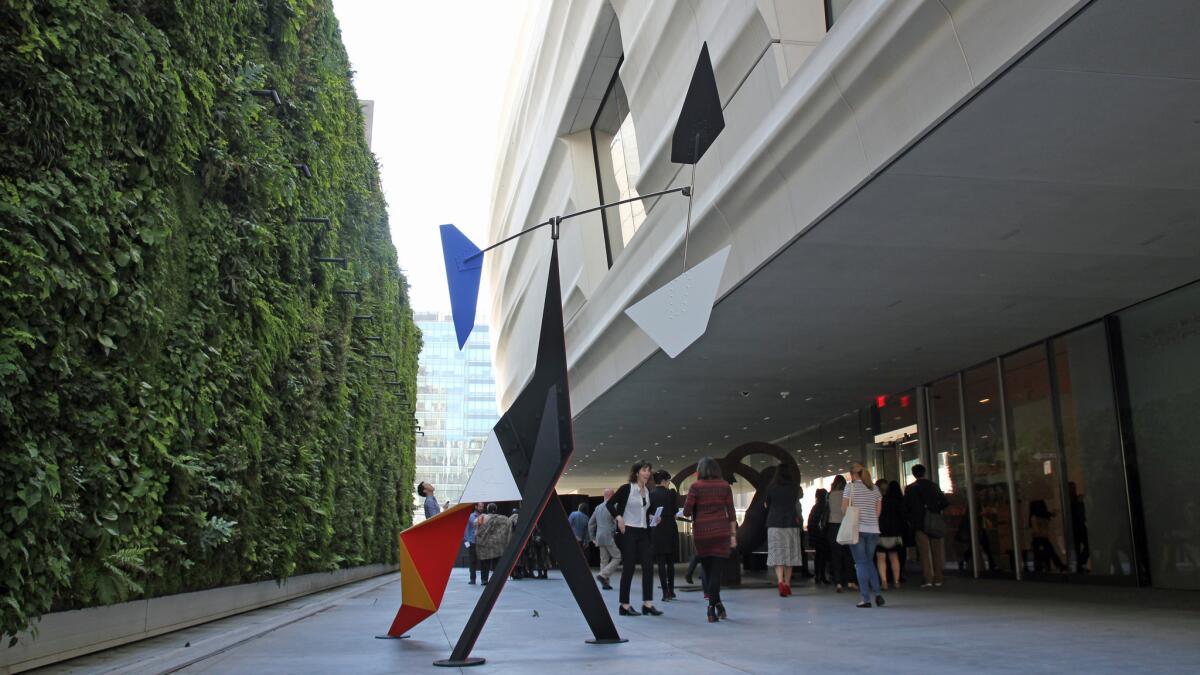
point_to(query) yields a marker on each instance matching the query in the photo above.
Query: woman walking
(492, 533)
(714, 528)
(665, 535)
(839, 554)
(891, 534)
(864, 496)
(818, 522)
(630, 507)
(783, 527)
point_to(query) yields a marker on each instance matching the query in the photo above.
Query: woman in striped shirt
(861, 493)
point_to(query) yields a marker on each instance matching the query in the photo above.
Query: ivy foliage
(185, 399)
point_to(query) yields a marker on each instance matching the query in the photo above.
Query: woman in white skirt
(783, 525)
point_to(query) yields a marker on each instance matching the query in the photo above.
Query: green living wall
(186, 401)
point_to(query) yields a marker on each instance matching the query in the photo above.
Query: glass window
(1161, 341)
(1097, 508)
(834, 9)
(1037, 468)
(986, 445)
(618, 167)
(949, 470)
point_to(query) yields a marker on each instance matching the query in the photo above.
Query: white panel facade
(815, 118)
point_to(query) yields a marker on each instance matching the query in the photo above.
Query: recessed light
(982, 400)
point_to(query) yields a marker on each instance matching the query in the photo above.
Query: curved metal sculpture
(753, 529)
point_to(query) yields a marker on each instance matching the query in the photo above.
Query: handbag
(934, 525)
(848, 532)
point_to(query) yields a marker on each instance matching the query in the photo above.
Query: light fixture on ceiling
(985, 400)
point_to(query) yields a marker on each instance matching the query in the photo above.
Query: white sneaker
(926, 585)
(938, 584)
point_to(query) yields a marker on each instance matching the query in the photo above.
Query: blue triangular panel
(462, 277)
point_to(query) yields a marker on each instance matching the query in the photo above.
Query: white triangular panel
(491, 481)
(676, 315)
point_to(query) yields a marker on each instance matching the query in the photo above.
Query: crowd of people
(859, 530)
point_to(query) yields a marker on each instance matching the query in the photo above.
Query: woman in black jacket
(818, 523)
(891, 534)
(630, 507)
(664, 536)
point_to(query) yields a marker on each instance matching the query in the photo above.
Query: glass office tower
(456, 403)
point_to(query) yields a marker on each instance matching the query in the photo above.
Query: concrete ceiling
(1068, 189)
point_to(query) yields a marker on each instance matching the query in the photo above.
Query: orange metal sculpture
(427, 553)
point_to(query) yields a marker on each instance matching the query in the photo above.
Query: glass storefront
(1096, 500)
(1161, 349)
(985, 442)
(1071, 455)
(1037, 469)
(949, 470)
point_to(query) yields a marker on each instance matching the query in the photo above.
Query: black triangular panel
(700, 120)
(518, 428)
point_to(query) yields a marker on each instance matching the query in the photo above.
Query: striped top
(867, 501)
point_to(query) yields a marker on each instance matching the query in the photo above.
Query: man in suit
(601, 531)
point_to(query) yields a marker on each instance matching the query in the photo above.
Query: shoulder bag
(848, 532)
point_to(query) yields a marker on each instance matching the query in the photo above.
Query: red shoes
(784, 590)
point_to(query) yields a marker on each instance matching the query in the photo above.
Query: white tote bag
(848, 532)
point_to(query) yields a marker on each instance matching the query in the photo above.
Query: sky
(438, 73)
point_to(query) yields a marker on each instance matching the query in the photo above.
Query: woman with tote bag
(861, 496)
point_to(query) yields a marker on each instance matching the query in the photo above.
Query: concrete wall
(65, 635)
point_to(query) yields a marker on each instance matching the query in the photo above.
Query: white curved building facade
(912, 189)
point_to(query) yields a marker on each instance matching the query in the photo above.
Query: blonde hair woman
(862, 494)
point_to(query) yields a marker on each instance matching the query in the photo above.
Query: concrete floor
(967, 626)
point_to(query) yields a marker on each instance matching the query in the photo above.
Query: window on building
(618, 167)
(834, 9)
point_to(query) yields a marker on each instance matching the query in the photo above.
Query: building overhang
(1065, 189)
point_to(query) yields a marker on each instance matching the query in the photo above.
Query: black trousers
(473, 557)
(839, 557)
(821, 565)
(635, 548)
(666, 572)
(692, 567)
(486, 567)
(711, 565)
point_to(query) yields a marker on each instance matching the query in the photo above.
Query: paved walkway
(967, 626)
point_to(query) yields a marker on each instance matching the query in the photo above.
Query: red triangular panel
(406, 618)
(427, 551)
(434, 545)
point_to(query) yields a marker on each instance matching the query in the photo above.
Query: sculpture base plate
(606, 641)
(392, 637)
(467, 662)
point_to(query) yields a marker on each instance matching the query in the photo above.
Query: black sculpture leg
(557, 531)
(544, 471)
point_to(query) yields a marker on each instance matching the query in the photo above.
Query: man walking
(579, 525)
(469, 540)
(924, 502)
(601, 528)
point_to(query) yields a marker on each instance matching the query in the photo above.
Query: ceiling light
(984, 400)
